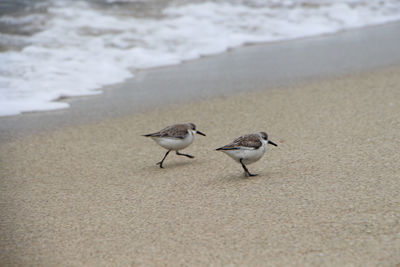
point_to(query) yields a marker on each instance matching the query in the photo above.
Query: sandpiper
(247, 149)
(175, 137)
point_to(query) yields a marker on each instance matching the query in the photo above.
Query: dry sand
(328, 195)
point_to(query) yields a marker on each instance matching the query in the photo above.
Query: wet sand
(329, 194)
(245, 69)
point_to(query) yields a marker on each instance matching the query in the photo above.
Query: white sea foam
(79, 49)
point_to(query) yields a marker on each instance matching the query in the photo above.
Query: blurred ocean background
(50, 49)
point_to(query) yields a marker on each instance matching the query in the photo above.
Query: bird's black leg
(246, 171)
(161, 162)
(187, 155)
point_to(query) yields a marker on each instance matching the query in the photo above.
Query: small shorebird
(175, 137)
(247, 149)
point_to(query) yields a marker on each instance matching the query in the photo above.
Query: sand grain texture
(328, 195)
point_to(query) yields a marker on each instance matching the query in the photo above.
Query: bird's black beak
(200, 133)
(272, 143)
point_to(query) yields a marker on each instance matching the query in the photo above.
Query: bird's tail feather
(227, 148)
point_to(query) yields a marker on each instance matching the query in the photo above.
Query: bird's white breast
(174, 143)
(247, 154)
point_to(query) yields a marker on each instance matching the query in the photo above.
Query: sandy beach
(329, 194)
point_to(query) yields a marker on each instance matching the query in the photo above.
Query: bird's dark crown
(192, 126)
(264, 135)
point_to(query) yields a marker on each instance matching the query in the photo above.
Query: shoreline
(245, 69)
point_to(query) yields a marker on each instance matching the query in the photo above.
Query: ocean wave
(77, 47)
